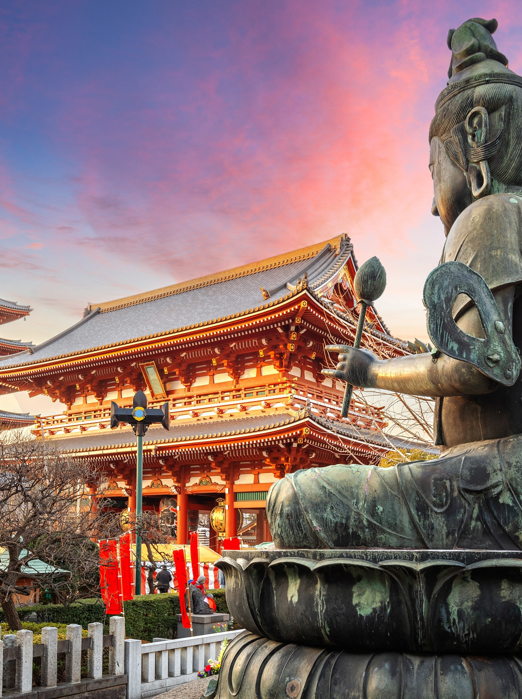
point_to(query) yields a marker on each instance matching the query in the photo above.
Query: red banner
(194, 555)
(181, 574)
(109, 577)
(127, 568)
(232, 544)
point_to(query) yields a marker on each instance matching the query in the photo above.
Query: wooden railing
(322, 400)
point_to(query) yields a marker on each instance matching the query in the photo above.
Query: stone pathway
(190, 690)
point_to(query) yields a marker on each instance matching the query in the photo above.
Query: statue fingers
(334, 373)
(340, 349)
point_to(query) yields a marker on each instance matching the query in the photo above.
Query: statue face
(451, 190)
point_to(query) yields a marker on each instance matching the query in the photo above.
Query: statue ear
(477, 130)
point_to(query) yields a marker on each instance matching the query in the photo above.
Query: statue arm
(422, 374)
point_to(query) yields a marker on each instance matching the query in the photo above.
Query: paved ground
(190, 690)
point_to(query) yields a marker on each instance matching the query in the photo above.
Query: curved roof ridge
(13, 305)
(218, 277)
(15, 343)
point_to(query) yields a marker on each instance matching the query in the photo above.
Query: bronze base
(256, 668)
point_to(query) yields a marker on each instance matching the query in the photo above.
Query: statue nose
(434, 210)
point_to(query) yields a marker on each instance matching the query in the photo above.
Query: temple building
(238, 355)
(9, 311)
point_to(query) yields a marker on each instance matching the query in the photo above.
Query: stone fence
(18, 651)
(153, 668)
(136, 670)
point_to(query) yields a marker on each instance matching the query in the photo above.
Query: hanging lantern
(125, 522)
(217, 517)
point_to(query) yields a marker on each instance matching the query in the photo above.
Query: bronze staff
(369, 284)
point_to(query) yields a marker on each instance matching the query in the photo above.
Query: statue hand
(355, 366)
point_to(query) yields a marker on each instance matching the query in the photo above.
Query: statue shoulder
(491, 207)
(482, 226)
(487, 236)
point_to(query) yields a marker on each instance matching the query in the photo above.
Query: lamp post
(139, 417)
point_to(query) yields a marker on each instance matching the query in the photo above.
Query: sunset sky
(145, 143)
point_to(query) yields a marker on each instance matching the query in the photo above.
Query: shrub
(82, 613)
(146, 616)
(37, 630)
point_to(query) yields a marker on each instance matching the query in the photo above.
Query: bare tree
(47, 523)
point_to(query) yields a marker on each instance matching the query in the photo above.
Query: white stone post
(175, 662)
(117, 651)
(24, 665)
(162, 664)
(201, 657)
(148, 667)
(95, 654)
(187, 658)
(10, 666)
(133, 668)
(50, 656)
(73, 659)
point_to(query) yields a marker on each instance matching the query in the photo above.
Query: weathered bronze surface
(495, 355)
(412, 601)
(257, 668)
(407, 581)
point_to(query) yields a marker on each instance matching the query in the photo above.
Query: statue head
(476, 133)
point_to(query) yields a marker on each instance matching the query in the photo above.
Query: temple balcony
(223, 404)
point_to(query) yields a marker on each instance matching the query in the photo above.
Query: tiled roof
(15, 343)
(228, 427)
(25, 418)
(201, 301)
(33, 567)
(13, 306)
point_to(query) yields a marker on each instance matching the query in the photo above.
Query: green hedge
(146, 616)
(154, 616)
(83, 613)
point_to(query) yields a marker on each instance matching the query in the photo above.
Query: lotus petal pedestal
(374, 624)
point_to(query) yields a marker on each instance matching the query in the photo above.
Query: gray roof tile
(178, 308)
(221, 427)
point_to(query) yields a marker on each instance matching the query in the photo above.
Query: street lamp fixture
(139, 417)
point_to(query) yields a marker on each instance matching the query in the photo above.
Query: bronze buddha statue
(470, 497)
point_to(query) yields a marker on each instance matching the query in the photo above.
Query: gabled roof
(194, 303)
(197, 303)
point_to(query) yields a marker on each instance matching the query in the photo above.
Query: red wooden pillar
(230, 512)
(182, 514)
